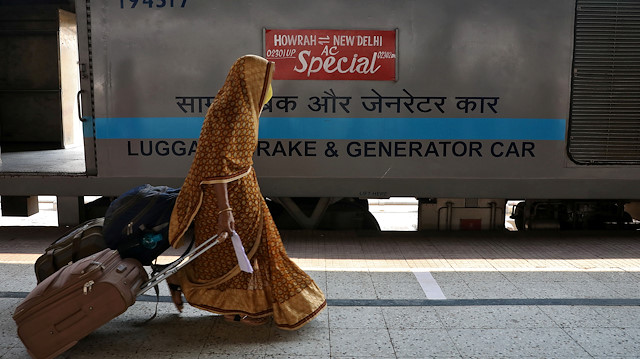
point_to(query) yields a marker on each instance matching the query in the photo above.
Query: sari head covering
(227, 140)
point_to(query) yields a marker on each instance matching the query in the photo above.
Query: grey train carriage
(463, 104)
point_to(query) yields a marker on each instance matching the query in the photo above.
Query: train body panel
(475, 100)
(142, 77)
(481, 91)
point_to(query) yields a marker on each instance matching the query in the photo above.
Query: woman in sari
(220, 194)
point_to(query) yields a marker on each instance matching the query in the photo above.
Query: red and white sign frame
(332, 54)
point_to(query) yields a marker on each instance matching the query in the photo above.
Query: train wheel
(349, 214)
(322, 213)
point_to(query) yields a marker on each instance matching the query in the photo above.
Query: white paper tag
(243, 261)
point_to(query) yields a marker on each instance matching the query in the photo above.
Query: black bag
(80, 242)
(137, 222)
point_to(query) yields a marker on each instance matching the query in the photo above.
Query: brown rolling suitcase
(76, 300)
(82, 241)
(82, 296)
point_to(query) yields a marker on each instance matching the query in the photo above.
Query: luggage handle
(176, 265)
(86, 271)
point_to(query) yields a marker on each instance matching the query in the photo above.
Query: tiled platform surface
(393, 295)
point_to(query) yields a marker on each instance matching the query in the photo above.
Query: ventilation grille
(604, 125)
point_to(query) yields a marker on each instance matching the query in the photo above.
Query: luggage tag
(243, 261)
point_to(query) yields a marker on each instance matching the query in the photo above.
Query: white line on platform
(429, 285)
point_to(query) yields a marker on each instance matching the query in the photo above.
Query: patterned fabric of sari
(213, 281)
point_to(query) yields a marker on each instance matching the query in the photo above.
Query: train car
(462, 104)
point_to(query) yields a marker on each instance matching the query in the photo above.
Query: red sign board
(332, 54)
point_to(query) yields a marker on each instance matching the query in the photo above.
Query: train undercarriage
(449, 214)
(574, 214)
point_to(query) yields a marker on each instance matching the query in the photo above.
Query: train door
(40, 130)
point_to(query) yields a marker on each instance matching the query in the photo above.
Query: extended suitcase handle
(176, 265)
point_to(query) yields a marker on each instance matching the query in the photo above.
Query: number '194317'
(152, 3)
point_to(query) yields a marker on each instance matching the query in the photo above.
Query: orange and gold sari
(229, 136)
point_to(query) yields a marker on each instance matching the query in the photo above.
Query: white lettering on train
(330, 64)
(294, 40)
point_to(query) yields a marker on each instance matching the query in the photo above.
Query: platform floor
(63, 161)
(392, 295)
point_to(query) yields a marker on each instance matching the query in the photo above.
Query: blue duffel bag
(137, 223)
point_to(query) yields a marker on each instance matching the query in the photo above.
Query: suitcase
(82, 241)
(82, 296)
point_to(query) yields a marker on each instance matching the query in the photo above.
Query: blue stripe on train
(345, 128)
